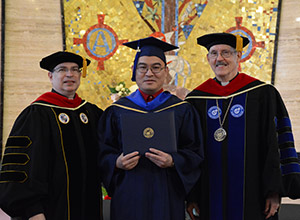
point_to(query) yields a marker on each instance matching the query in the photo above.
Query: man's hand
(160, 158)
(38, 217)
(272, 205)
(189, 208)
(129, 161)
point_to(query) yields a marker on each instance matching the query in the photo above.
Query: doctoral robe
(148, 192)
(256, 158)
(50, 163)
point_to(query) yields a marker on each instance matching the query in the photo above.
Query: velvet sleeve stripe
(288, 153)
(290, 169)
(289, 160)
(284, 122)
(286, 145)
(15, 162)
(18, 142)
(13, 176)
(285, 138)
(15, 159)
(284, 129)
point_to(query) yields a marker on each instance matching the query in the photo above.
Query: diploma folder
(150, 130)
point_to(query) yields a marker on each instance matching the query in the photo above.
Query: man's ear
(50, 75)
(168, 77)
(239, 54)
(167, 69)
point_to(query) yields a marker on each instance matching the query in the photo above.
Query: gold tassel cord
(239, 43)
(84, 67)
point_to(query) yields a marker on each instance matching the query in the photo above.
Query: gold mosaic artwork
(96, 29)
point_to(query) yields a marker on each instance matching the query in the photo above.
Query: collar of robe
(137, 98)
(59, 100)
(213, 87)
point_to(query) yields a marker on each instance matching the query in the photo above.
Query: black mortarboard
(149, 46)
(235, 41)
(51, 61)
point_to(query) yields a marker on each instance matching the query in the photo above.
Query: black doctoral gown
(256, 158)
(49, 165)
(148, 192)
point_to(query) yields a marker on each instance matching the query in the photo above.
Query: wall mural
(98, 28)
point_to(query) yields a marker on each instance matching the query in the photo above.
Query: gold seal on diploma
(148, 132)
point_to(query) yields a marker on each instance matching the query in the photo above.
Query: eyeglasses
(224, 53)
(155, 69)
(64, 70)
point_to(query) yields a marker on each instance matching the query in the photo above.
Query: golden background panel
(179, 22)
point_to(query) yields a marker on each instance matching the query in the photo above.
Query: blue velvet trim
(290, 168)
(284, 122)
(288, 153)
(236, 160)
(285, 137)
(137, 98)
(215, 166)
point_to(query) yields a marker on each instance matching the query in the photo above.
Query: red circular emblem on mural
(241, 30)
(100, 42)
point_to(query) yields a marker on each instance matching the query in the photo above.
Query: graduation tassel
(84, 67)
(239, 43)
(137, 56)
(84, 63)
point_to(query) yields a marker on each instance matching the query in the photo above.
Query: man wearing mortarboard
(247, 139)
(49, 168)
(150, 186)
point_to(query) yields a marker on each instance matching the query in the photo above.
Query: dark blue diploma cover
(151, 130)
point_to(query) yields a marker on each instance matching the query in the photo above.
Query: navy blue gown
(148, 192)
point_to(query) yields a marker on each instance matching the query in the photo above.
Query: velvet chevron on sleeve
(50, 163)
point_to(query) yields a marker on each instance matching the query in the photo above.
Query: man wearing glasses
(49, 169)
(247, 139)
(150, 186)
